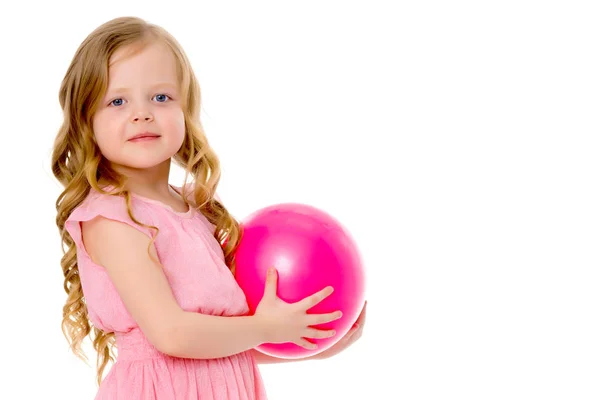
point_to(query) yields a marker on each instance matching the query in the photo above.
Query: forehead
(136, 65)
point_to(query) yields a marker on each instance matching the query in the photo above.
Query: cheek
(103, 127)
(177, 123)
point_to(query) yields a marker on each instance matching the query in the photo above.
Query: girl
(148, 266)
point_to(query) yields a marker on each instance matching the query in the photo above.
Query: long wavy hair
(78, 164)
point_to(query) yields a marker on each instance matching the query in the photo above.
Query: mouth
(144, 137)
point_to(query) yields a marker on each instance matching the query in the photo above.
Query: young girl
(148, 266)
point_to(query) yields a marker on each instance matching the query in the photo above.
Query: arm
(262, 358)
(123, 251)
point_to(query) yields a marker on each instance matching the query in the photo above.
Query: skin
(346, 341)
(143, 96)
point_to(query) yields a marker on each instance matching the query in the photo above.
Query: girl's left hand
(352, 336)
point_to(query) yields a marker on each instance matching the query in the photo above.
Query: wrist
(260, 329)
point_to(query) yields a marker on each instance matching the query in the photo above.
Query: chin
(145, 162)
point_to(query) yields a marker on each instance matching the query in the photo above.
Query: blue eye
(162, 95)
(112, 103)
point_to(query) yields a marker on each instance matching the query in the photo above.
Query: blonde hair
(78, 164)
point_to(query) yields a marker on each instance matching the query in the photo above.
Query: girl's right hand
(284, 322)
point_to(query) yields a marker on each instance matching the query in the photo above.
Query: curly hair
(78, 164)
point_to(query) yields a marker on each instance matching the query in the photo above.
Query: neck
(149, 182)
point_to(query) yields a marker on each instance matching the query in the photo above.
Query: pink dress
(201, 282)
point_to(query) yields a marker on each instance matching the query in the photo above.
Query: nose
(142, 116)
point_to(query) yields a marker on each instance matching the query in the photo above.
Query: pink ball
(311, 250)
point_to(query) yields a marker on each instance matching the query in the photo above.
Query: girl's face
(142, 98)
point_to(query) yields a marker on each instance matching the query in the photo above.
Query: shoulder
(108, 239)
(110, 208)
(97, 202)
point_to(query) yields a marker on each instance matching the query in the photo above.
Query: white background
(458, 142)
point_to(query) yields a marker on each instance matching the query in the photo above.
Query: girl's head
(142, 97)
(128, 77)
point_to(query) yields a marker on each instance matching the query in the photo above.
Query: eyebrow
(161, 84)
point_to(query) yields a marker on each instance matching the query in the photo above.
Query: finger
(352, 331)
(314, 333)
(271, 283)
(316, 319)
(357, 335)
(306, 344)
(353, 338)
(357, 331)
(314, 299)
(363, 315)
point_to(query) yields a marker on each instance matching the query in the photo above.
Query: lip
(146, 135)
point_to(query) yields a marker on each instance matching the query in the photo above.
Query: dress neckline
(184, 214)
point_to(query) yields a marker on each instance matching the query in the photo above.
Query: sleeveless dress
(195, 268)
